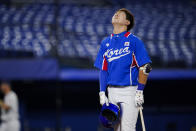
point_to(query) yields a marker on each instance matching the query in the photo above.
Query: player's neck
(119, 29)
(7, 91)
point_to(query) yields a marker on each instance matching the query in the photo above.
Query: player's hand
(1, 103)
(103, 98)
(139, 98)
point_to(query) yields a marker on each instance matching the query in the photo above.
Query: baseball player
(9, 108)
(124, 67)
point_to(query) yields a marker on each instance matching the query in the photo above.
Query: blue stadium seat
(168, 30)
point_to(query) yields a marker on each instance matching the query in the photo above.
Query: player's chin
(115, 22)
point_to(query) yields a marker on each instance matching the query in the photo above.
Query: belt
(116, 86)
(4, 121)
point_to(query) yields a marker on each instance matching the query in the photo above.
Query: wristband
(140, 86)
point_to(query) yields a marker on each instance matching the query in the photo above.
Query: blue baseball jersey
(121, 55)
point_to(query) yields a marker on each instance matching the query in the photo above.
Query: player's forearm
(4, 106)
(103, 76)
(143, 76)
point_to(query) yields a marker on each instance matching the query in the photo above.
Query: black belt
(116, 86)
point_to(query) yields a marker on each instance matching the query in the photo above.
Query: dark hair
(5, 82)
(129, 17)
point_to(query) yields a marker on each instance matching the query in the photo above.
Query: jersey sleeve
(101, 62)
(11, 101)
(103, 77)
(140, 53)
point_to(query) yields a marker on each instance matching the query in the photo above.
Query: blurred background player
(9, 109)
(124, 67)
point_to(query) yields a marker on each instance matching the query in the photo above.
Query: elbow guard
(146, 68)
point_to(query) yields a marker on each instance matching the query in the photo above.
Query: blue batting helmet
(109, 115)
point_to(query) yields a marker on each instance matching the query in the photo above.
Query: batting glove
(103, 98)
(139, 98)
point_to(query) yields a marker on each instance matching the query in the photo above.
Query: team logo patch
(126, 44)
(107, 44)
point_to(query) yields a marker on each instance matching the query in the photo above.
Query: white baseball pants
(124, 97)
(13, 125)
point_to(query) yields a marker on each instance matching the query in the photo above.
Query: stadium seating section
(168, 30)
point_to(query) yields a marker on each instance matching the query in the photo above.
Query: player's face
(4, 87)
(120, 18)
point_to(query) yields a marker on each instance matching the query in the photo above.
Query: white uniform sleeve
(12, 102)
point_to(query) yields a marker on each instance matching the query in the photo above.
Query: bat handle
(142, 118)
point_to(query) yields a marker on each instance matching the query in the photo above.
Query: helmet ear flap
(110, 115)
(105, 122)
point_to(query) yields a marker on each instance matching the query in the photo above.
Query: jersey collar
(125, 33)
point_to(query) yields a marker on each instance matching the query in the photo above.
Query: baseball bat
(142, 118)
